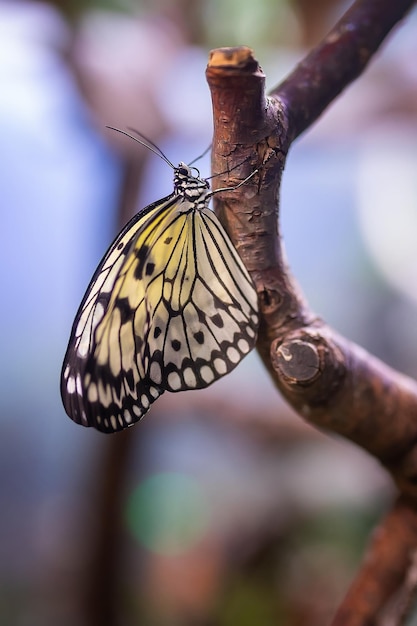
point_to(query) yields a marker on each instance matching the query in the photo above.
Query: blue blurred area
(59, 186)
(322, 238)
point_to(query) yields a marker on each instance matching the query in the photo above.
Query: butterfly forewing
(170, 307)
(83, 392)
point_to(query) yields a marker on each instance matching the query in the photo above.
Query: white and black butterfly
(170, 307)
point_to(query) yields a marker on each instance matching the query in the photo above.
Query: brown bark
(389, 558)
(330, 381)
(337, 60)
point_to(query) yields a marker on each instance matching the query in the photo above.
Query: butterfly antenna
(203, 154)
(144, 141)
(230, 170)
(242, 182)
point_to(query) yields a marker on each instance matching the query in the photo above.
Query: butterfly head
(189, 184)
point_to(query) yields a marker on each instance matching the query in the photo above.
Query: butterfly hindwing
(203, 321)
(170, 307)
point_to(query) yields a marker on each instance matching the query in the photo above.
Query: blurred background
(222, 507)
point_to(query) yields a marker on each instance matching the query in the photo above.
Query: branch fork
(331, 382)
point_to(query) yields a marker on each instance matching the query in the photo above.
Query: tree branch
(337, 61)
(384, 571)
(330, 381)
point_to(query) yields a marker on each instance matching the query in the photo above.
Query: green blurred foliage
(251, 601)
(211, 23)
(251, 23)
(300, 576)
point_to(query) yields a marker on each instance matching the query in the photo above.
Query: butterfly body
(170, 307)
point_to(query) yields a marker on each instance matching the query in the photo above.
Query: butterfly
(170, 307)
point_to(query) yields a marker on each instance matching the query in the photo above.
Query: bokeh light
(167, 512)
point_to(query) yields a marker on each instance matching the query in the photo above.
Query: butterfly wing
(211, 316)
(177, 312)
(201, 304)
(84, 392)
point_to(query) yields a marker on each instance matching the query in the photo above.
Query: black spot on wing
(126, 312)
(217, 320)
(199, 337)
(141, 255)
(150, 268)
(130, 380)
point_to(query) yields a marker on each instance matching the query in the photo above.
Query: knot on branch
(308, 365)
(270, 298)
(298, 361)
